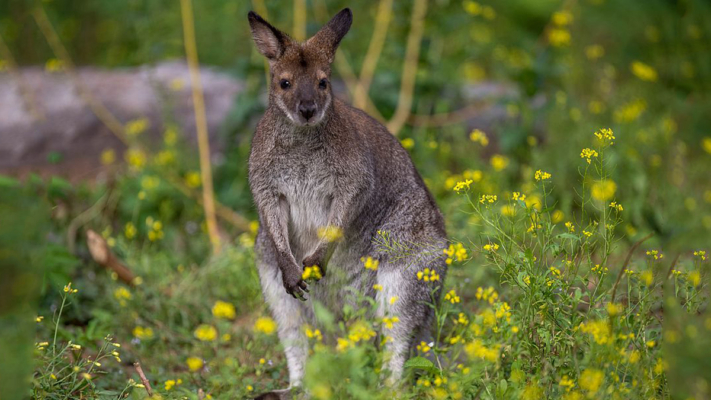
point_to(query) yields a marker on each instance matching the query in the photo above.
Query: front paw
(294, 284)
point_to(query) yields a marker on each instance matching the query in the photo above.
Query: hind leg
(412, 307)
(290, 314)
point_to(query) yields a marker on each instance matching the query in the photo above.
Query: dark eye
(285, 84)
(323, 84)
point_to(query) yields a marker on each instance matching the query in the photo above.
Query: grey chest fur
(306, 191)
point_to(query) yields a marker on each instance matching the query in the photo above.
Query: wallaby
(318, 163)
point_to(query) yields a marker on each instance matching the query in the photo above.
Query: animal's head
(300, 72)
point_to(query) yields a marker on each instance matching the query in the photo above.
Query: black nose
(307, 109)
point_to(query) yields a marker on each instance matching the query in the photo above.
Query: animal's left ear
(328, 38)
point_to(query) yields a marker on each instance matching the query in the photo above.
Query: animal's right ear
(270, 41)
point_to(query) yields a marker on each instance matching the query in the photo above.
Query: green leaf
(419, 363)
(568, 236)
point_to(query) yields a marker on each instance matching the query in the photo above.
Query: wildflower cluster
(427, 275)
(312, 272)
(455, 252)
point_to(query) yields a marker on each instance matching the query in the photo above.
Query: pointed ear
(328, 38)
(270, 41)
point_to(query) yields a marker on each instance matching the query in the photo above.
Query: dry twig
(102, 254)
(627, 262)
(208, 193)
(409, 69)
(144, 380)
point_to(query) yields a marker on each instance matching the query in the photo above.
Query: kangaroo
(317, 163)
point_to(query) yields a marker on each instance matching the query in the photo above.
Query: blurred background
(98, 131)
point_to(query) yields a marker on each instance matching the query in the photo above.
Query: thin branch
(300, 20)
(409, 71)
(375, 49)
(673, 264)
(143, 378)
(627, 262)
(101, 112)
(444, 119)
(208, 193)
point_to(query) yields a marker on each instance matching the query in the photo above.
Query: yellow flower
(206, 333)
(408, 143)
(706, 144)
(427, 275)
(310, 333)
(330, 233)
(378, 287)
(149, 182)
(488, 198)
(452, 297)
(136, 158)
(170, 137)
(595, 51)
(192, 179)
(54, 65)
(143, 333)
(68, 289)
(600, 331)
(137, 126)
(108, 157)
(591, 380)
(614, 309)
(643, 71)
(476, 349)
(169, 384)
(558, 37)
(265, 325)
(423, 347)
(177, 84)
(478, 136)
(587, 154)
(605, 135)
(541, 176)
(616, 206)
(389, 321)
(122, 294)
(455, 252)
(656, 254)
(492, 247)
(630, 111)
(321, 391)
(562, 18)
(603, 190)
(165, 157)
(394, 299)
(194, 363)
(39, 318)
(646, 277)
(370, 263)
(312, 272)
(223, 309)
(499, 162)
(462, 185)
(694, 277)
